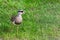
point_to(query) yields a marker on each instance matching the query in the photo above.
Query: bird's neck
(19, 15)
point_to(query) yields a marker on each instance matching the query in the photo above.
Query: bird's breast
(18, 19)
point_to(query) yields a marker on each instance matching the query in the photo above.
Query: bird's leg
(17, 31)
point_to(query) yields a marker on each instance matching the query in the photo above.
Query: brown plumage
(13, 18)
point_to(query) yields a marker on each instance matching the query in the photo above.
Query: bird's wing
(13, 18)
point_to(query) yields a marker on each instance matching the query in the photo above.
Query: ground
(41, 20)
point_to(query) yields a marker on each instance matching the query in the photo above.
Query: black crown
(20, 11)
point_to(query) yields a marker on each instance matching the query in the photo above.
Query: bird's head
(20, 12)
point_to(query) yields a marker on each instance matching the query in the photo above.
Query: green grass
(41, 20)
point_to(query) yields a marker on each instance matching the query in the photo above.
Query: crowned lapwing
(18, 18)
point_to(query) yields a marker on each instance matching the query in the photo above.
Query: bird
(18, 18)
